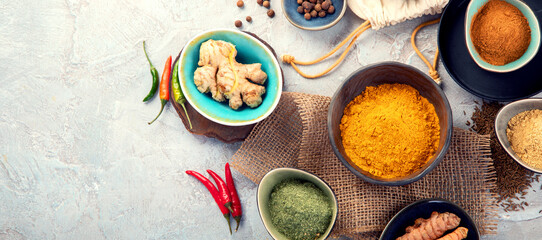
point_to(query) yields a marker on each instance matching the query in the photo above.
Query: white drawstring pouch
(379, 14)
(382, 13)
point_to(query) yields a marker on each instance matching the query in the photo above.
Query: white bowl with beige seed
(518, 126)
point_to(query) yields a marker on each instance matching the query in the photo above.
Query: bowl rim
(318, 28)
(428, 200)
(480, 62)
(509, 150)
(265, 48)
(438, 157)
(334, 199)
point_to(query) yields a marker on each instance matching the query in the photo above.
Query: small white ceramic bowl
(501, 124)
(276, 176)
(474, 7)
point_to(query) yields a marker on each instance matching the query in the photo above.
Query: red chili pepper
(212, 189)
(236, 203)
(223, 191)
(164, 87)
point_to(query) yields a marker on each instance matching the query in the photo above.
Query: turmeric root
(220, 74)
(458, 234)
(432, 228)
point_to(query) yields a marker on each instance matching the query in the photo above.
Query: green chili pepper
(177, 92)
(155, 80)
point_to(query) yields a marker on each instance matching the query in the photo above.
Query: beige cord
(432, 68)
(355, 34)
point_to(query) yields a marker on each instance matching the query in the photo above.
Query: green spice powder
(299, 209)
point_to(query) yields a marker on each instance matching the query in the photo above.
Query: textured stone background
(77, 158)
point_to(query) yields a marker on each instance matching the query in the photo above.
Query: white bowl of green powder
(297, 205)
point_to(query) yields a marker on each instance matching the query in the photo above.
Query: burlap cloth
(295, 135)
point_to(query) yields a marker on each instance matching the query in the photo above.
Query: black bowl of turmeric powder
(389, 123)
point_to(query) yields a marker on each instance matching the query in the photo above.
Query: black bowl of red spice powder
(391, 73)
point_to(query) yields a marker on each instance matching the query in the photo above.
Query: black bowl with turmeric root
(389, 123)
(447, 221)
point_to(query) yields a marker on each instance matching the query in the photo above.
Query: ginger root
(432, 228)
(458, 234)
(220, 74)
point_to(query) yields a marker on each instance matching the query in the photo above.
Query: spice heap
(315, 8)
(513, 180)
(525, 135)
(299, 210)
(390, 130)
(500, 33)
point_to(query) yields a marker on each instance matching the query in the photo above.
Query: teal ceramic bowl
(474, 7)
(276, 176)
(249, 50)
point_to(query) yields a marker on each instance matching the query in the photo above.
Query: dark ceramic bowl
(289, 8)
(382, 73)
(423, 209)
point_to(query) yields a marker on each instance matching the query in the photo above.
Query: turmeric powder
(390, 130)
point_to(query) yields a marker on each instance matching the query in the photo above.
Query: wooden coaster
(208, 128)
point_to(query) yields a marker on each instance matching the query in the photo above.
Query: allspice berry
(240, 3)
(266, 4)
(306, 11)
(308, 16)
(300, 9)
(270, 13)
(299, 2)
(331, 10)
(314, 13)
(326, 4)
(307, 5)
(312, 1)
(260, 2)
(322, 14)
(318, 7)
(238, 23)
(249, 19)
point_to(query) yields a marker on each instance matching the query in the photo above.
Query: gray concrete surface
(77, 158)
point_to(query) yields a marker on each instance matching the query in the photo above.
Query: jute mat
(295, 135)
